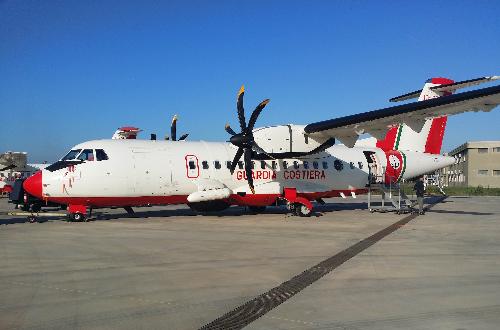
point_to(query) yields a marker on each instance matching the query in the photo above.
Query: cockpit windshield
(72, 154)
(87, 154)
(77, 156)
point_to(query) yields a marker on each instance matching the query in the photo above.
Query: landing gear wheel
(35, 207)
(256, 209)
(302, 211)
(77, 216)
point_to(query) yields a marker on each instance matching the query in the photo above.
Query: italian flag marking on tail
(398, 137)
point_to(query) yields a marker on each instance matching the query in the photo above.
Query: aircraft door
(145, 179)
(375, 171)
(192, 167)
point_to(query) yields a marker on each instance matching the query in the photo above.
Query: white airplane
(293, 164)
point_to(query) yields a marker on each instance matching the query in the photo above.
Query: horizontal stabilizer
(463, 84)
(445, 88)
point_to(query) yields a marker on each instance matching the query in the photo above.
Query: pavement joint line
(255, 308)
(96, 294)
(290, 320)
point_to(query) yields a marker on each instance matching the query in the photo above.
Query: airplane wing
(376, 123)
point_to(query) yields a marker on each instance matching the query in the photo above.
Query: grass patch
(455, 191)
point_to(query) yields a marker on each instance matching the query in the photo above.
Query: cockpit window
(100, 155)
(72, 154)
(87, 154)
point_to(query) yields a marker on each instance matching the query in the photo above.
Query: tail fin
(430, 138)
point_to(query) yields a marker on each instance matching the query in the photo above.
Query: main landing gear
(300, 210)
(297, 205)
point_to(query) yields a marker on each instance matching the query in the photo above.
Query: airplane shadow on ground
(319, 210)
(235, 211)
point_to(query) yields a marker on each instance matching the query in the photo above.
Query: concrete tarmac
(170, 268)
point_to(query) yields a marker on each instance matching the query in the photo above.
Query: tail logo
(394, 161)
(396, 165)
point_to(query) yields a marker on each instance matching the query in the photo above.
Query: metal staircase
(392, 197)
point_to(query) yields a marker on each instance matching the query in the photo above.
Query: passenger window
(262, 164)
(338, 165)
(285, 164)
(273, 164)
(315, 165)
(192, 166)
(87, 154)
(240, 165)
(204, 164)
(306, 165)
(217, 165)
(72, 154)
(360, 165)
(228, 164)
(296, 165)
(100, 155)
(351, 165)
(252, 164)
(325, 165)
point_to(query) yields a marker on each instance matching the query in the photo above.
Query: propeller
(245, 140)
(173, 131)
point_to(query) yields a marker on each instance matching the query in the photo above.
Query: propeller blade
(241, 110)
(256, 113)
(248, 168)
(235, 160)
(229, 129)
(173, 129)
(11, 166)
(183, 137)
(259, 150)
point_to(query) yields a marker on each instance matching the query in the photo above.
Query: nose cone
(33, 185)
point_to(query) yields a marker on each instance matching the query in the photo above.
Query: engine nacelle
(286, 139)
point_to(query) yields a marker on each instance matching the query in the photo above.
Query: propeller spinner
(245, 140)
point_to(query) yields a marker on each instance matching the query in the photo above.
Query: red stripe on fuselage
(247, 200)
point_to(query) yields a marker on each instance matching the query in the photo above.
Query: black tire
(302, 211)
(78, 217)
(256, 209)
(31, 218)
(35, 207)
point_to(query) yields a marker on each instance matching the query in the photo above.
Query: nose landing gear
(77, 213)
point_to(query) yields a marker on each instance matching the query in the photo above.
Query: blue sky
(72, 71)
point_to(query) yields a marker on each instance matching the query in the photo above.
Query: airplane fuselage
(143, 172)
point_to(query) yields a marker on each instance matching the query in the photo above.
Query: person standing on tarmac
(419, 190)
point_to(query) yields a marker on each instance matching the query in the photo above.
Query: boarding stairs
(392, 197)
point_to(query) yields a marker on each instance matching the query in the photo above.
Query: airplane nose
(33, 185)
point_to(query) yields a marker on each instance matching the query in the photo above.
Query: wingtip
(242, 90)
